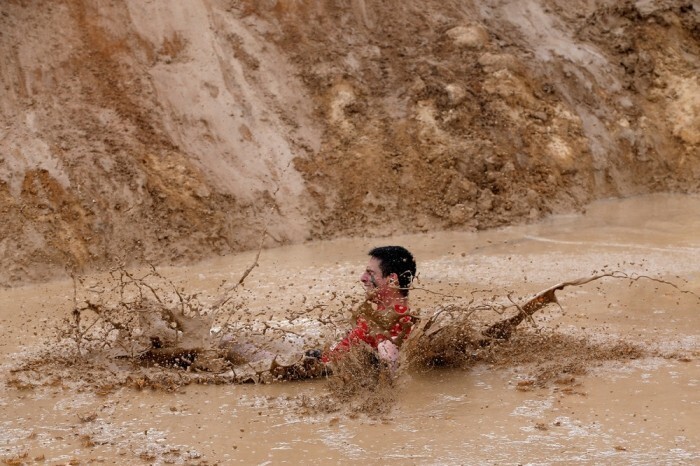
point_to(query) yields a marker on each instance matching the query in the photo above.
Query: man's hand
(388, 352)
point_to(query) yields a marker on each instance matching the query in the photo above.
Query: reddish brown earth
(172, 131)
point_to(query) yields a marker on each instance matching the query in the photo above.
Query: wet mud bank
(169, 133)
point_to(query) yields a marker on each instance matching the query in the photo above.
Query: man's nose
(364, 278)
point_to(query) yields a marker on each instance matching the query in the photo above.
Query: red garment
(361, 333)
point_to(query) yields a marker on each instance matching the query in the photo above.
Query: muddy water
(643, 411)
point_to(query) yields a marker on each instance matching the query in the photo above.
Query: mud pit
(610, 376)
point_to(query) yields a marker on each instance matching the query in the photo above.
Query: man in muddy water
(383, 321)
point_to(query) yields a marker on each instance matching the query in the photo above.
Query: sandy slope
(171, 131)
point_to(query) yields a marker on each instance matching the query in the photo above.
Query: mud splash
(144, 332)
(610, 375)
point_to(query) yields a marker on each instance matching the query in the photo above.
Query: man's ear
(393, 278)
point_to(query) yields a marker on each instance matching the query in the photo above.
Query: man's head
(391, 269)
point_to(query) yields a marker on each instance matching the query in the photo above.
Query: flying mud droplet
(144, 332)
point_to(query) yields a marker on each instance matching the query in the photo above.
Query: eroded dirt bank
(170, 132)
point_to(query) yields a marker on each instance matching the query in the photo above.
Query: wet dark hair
(396, 259)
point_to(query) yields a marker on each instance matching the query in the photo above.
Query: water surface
(643, 411)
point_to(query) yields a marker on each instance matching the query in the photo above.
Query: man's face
(376, 285)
